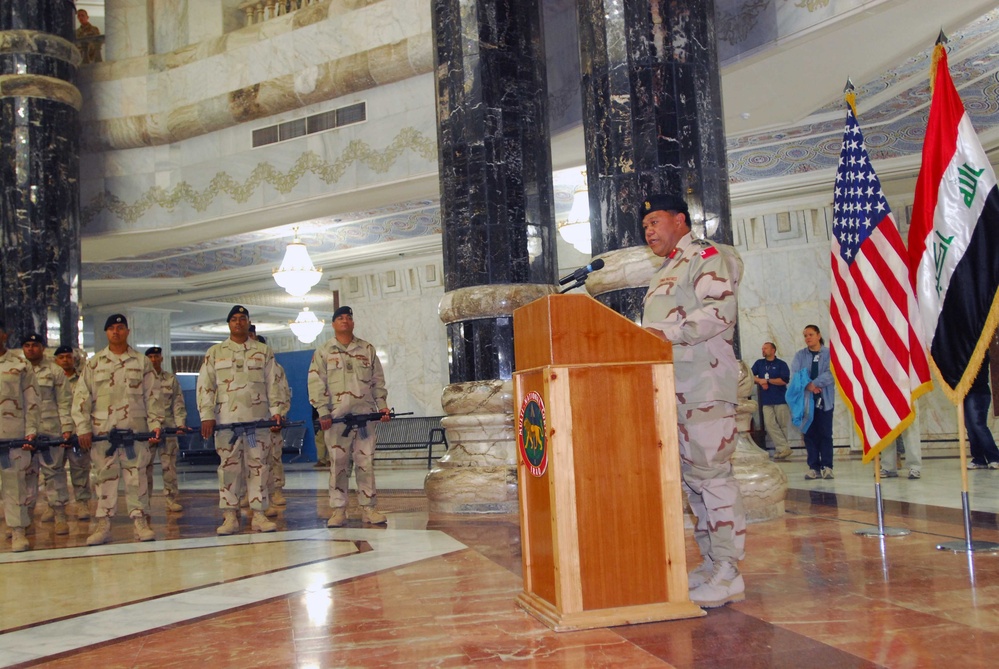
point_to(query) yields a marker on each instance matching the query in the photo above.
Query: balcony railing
(258, 11)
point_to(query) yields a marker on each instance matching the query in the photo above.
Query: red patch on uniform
(672, 254)
(708, 252)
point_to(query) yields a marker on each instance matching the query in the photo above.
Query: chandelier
(297, 275)
(306, 327)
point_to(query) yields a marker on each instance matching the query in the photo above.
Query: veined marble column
(497, 210)
(652, 120)
(39, 167)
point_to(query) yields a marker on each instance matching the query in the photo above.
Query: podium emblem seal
(532, 435)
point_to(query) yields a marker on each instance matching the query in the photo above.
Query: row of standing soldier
(119, 389)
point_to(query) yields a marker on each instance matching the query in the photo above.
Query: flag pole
(881, 530)
(966, 546)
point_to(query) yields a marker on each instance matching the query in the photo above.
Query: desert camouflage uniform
(54, 401)
(118, 391)
(19, 417)
(239, 383)
(342, 380)
(79, 460)
(277, 438)
(175, 415)
(692, 299)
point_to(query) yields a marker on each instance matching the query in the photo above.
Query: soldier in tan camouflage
(691, 302)
(277, 439)
(175, 416)
(79, 459)
(346, 377)
(238, 382)
(118, 389)
(19, 419)
(54, 400)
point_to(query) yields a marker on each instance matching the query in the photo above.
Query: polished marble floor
(439, 591)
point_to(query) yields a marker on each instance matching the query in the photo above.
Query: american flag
(878, 357)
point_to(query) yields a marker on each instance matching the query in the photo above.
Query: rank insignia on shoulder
(708, 252)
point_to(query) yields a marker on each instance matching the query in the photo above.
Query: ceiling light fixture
(297, 275)
(306, 327)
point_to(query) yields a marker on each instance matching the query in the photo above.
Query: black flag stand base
(880, 530)
(966, 546)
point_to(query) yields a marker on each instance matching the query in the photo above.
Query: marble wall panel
(170, 23)
(397, 142)
(205, 20)
(128, 29)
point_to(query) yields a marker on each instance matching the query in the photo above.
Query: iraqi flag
(954, 239)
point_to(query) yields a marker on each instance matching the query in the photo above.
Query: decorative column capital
(491, 301)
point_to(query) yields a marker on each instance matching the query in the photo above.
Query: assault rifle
(40, 441)
(249, 429)
(6, 445)
(123, 437)
(359, 421)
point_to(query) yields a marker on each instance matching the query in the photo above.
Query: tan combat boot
(372, 516)
(82, 511)
(230, 523)
(102, 532)
(18, 542)
(261, 524)
(142, 531)
(271, 512)
(172, 505)
(48, 515)
(278, 499)
(338, 518)
(61, 526)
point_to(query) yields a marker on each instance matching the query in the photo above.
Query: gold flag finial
(850, 96)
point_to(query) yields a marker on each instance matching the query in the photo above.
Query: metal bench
(410, 434)
(193, 447)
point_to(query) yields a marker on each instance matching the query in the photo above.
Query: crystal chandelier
(306, 327)
(297, 275)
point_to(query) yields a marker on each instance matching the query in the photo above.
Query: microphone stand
(579, 282)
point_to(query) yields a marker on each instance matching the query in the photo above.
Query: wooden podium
(598, 466)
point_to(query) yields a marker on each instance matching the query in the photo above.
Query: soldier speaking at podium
(691, 303)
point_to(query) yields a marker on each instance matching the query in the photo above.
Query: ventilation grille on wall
(335, 118)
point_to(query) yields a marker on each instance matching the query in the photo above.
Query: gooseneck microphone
(580, 274)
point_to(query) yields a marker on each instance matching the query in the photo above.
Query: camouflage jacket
(239, 383)
(346, 379)
(55, 399)
(172, 397)
(117, 391)
(692, 299)
(283, 387)
(19, 412)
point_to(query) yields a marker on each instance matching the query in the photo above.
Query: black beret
(154, 350)
(115, 318)
(63, 349)
(343, 310)
(253, 328)
(37, 338)
(664, 203)
(237, 309)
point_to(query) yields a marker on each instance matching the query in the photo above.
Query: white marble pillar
(128, 29)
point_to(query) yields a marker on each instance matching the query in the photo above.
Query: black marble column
(497, 203)
(652, 118)
(39, 167)
(498, 215)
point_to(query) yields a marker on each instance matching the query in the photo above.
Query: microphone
(581, 273)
